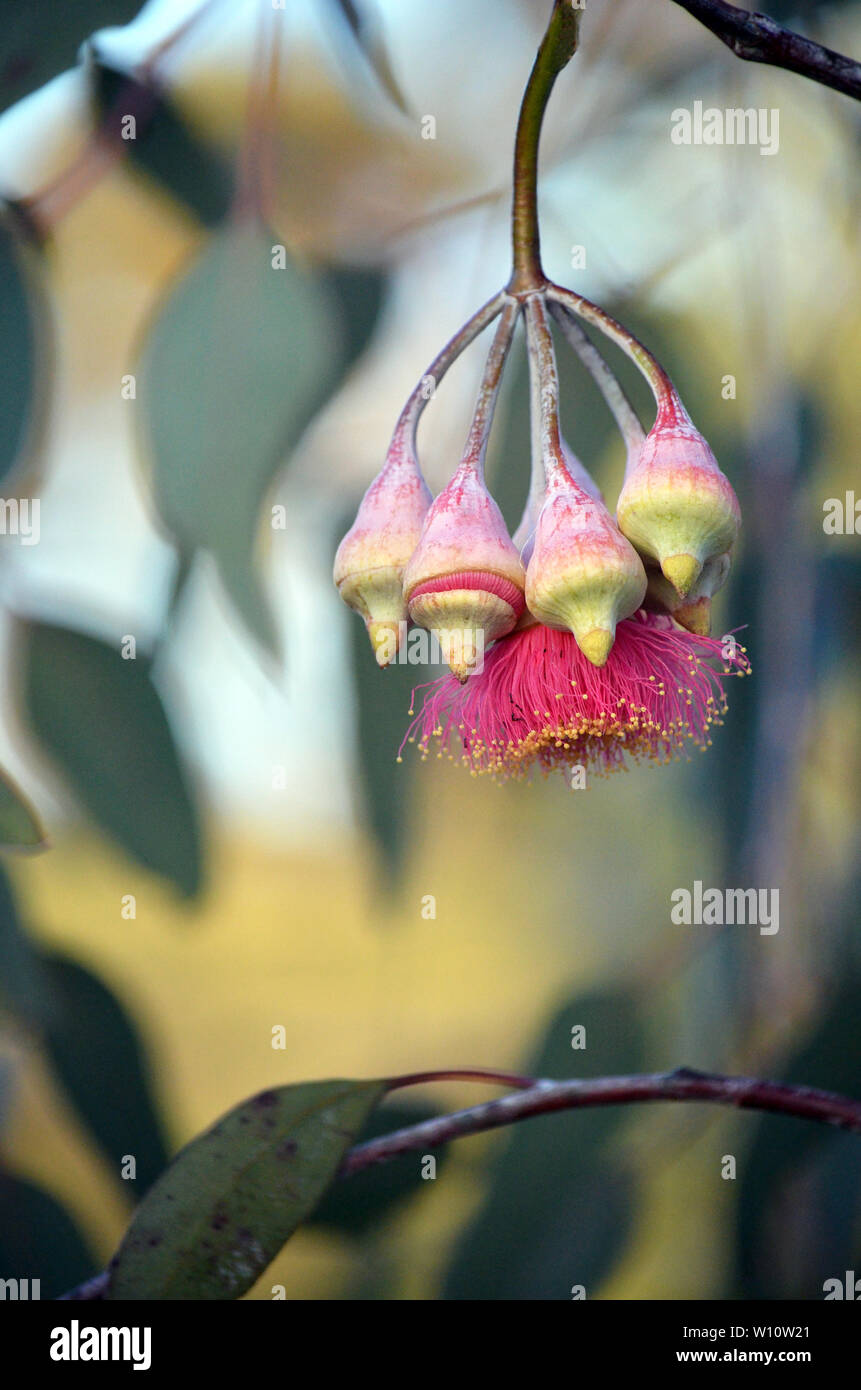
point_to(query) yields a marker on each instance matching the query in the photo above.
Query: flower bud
(464, 581)
(676, 505)
(694, 611)
(524, 536)
(372, 557)
(583, 574)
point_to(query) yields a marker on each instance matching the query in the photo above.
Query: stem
(488, 391)
(665, 393)
(545, 1097)
(545, 386)
(254, 178)
(605, 379)
(759, 39)
(536, 494)
(535, 1097)
(556, 49)
(408, 421)
(494, 1078)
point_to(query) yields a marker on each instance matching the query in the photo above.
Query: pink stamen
(539, 701)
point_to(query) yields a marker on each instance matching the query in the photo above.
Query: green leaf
(382, 705)
(234, 1195)
(355, 1207)
(39, 38)
(20, 827)
(101, 719)
(96, 1054)
(23, 338)
(39, 1240)
(164, 147)
(781, 1148)
(560, 1205)
(237, 360)
(25, 988)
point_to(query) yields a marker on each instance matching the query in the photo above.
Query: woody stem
(545, 386)
(488, 391)
(556, 49)
(545, 1097)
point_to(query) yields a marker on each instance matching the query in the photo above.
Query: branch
(759, 39)
(544, 1097)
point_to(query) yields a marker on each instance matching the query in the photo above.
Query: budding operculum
(694, 610)
(583, 575)
(676, 506)
(371, 559)
(464, 581)
(524, 536)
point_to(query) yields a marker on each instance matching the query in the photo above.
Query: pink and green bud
(694, 610)
(524, 536)
(583, 574)
(465, 580)
(372, 557)
(676, 506)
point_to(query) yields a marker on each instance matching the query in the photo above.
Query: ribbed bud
(694, 611)
(372, 557)
(676, 506)
(524, 536)
(464, 581)
(583, 575)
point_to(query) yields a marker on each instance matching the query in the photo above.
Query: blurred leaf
(365, 31)
(359, 295)
(39, 1240)
(25, 987)
(19, 825)
(367, 1198)
(780, 1146)
(97, 1055)
(559, 1207)
(234, 1195)
(382, 705)
(23, 331)
(164, 147)
(101, 719)
(237, 360)
(39, 39)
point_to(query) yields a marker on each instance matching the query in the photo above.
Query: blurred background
(233, 847)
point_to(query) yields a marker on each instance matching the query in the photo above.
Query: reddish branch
(545, 1097)
(760, 39)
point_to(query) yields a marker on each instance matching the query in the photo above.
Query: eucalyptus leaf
(560, 1204)
(382, 705)
(780, 1148)
(25, 987)
(164, 146)
(96, 1053)
(24, 339)
(40, 1240)
(101, 719)
(241, 353)
(20, 827)
(234, 1195)
(39, 39)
